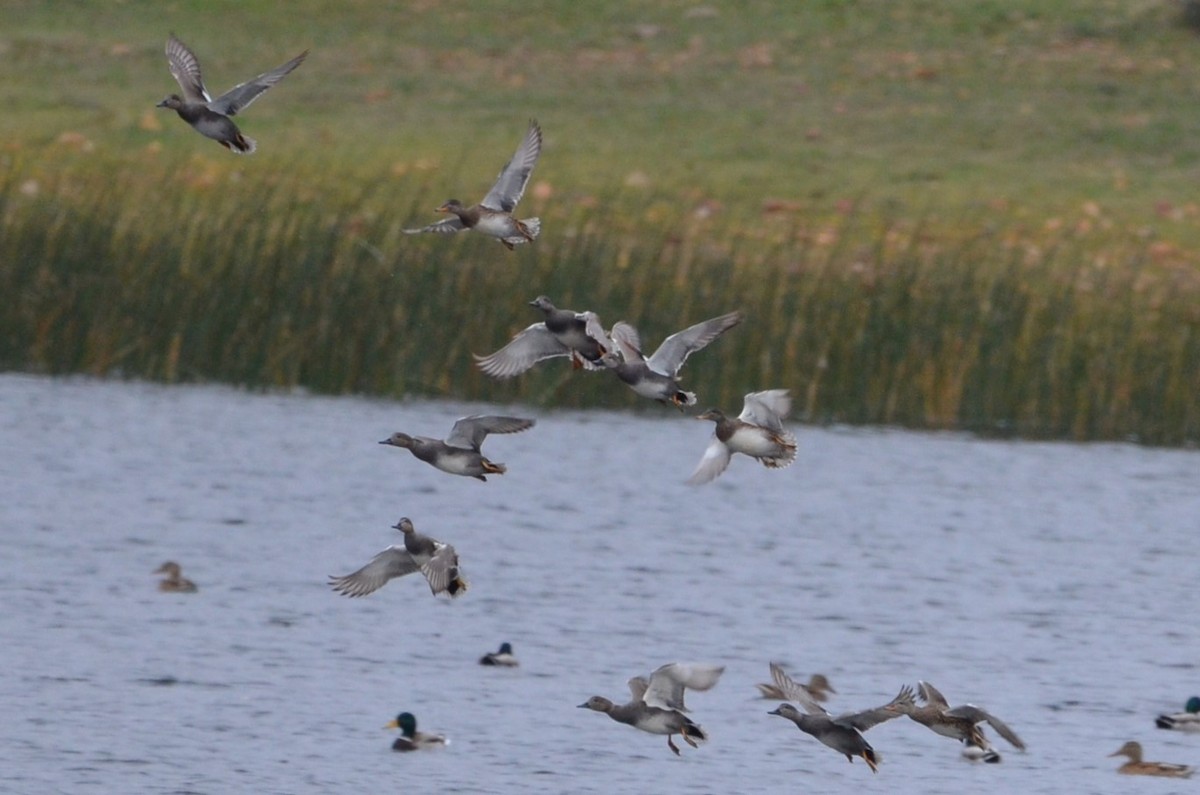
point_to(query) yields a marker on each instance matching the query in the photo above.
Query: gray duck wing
(676, 348)
(470, 431)
(595, 329)
(627, 340)
(766, 409)
(510, 184)
(242, 95)
(186, 71)
(978, 715)
(932, 696)
(873, 717)
(391, 562)
(448, 225)
(526, 349)
(794, 691)
(441, 568)
(714, 461)
(637, 688)
(668, 683)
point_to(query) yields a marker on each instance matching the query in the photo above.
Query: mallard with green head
(412, 740)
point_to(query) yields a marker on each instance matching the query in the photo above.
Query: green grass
(936, 214)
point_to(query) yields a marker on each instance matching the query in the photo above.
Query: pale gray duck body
(757, 432)
(460, 453)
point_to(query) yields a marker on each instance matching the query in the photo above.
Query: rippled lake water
(1054, 584)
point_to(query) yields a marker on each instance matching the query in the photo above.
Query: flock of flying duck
(657, 701)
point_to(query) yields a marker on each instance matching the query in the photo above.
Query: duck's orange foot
(493, 468)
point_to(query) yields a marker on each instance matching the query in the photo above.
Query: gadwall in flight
(494, 215)
(657, 704)
(211, 117)
(1136, 767)
(578, 335)
(437, 561)
(1186, 721)
(459, 454)
(656, 377)
(818, 689)
(412, 740)
(174, 582)
(757, 432)
(503, 658)
(961, 723)
(842, 733)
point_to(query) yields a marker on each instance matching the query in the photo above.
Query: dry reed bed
(189, 271)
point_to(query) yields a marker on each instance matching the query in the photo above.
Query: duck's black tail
(458, 585)
(694, 731)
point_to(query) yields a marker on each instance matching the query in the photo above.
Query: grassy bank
(1072, 330)
(932, 215)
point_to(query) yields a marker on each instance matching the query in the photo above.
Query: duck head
(598, 703)
(399, 440)
(406, 722)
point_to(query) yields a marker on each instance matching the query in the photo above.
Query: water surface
(1053, 584)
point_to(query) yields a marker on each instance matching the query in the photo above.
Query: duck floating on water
(1186, 721)
(973, 753)
(1136, 767)
(503, 658)
(174, 582)
(412, 740)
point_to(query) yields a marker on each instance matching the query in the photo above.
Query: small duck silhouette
(174, 582)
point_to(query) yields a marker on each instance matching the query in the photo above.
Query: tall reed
(188, 270)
